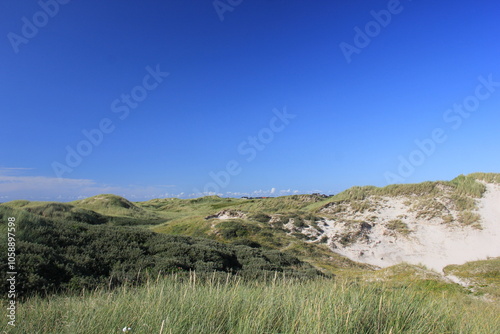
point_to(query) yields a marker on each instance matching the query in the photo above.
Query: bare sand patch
(430, 243)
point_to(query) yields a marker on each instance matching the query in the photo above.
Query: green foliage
(468, 186)
(260, 217)
(463, 202)
(195, 226)
(56, 255)
(460, 186)
(298, 222)
(300, 236)
(416, 189)
(117, 247)
(279, 204)
(311, 217)
(487, 177)
(236, 228)
(361, 193)
(399, 226)
(461, 192)
(18, 203)
(482, 276)
(354, 193)
(298, 219)
(469, 218)
(324, 239)
(124, 211)
(428, 207)
(360, 206)
(276, 304)
(206, 199)
(225, 204)
(246, 242)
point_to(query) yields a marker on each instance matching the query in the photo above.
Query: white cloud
(14, 185)
(64, 189)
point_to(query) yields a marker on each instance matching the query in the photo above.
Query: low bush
(55, 255)
(260, 217)
(236, 228)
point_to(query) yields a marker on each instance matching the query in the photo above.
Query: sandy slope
(431, 243)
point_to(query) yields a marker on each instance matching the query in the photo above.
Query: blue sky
(266, 97)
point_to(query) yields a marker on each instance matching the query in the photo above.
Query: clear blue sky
(228, 79)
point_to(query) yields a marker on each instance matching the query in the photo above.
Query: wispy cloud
(14, 186)
(257, 193)
(15, 168)
(43, 188)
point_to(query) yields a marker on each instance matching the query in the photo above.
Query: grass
(487, 177)
(116, 206)
(266, 217)
(269, 237)
(399, 226)
(110, 209)
(186, 217)
(469, 218)
(277, 305)
(483, 276)
(193, 226)
(399, 299)
(429, 200)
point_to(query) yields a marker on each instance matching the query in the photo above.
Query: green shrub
(311, 217)
(298, 222)
(260, 217)
(300, 236)
(57, 255)
(247, 242)
(323, 239)
(236, 228)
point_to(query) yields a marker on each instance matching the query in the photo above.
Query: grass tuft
(277, 305)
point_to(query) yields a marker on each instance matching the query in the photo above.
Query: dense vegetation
(107, 239)
(61, 254)
(99, 264)
(228, 305)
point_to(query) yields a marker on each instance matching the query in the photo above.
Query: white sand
(431, 243)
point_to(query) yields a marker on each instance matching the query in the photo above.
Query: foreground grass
(278, 306)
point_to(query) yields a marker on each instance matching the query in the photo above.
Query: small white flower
(126, 329)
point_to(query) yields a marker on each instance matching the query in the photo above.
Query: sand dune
(430, 243)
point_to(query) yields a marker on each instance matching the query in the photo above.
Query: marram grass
(282, 305)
